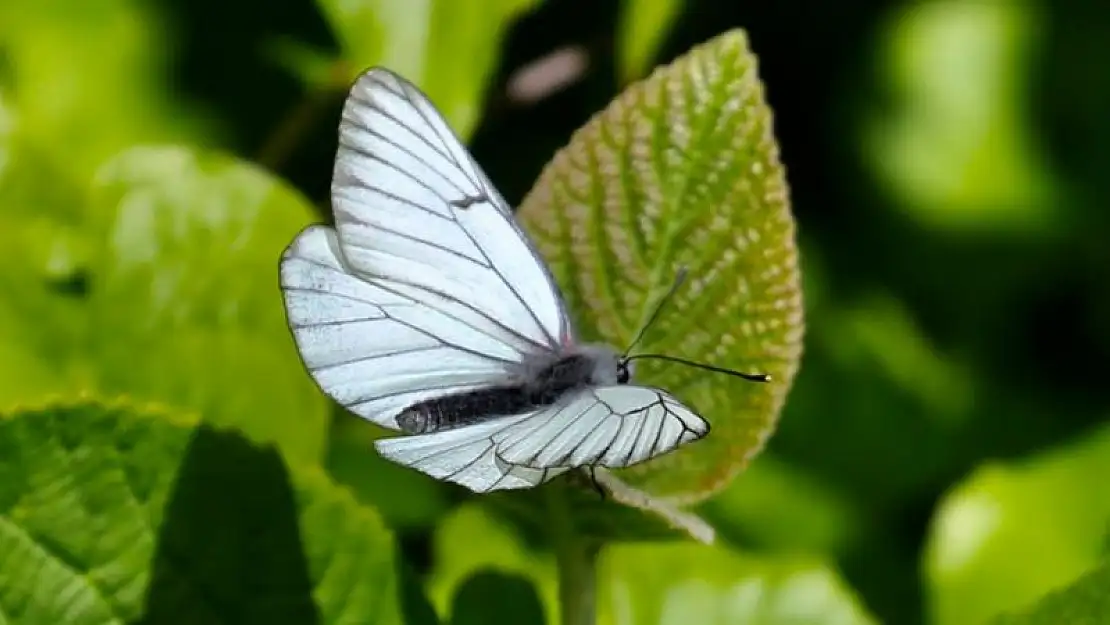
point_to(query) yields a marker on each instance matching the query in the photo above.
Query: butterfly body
(427, 310)
(548, 381)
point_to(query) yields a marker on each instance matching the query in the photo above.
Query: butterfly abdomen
(451, 411)
(543, 388)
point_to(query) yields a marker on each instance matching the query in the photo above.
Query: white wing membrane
(413, 208)
(610, 426)
(377, 351)
(613, 426)
(426, 286)
(465, 456)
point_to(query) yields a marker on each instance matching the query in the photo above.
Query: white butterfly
(427, 310)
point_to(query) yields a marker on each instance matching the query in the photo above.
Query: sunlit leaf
(671, 584)
(681, 170)
(77, 84)
(184, 303)
(43, 244)
(1013, 532)
(1087, 601)
(956, 150)
(87, 82)
(652, 583)
(640, 31)
(121, 514)
(447, 48)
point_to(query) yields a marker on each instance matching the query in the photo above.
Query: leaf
(116, 513)
(572, 506)
(686, 583)
(458, 555)
(916, 389)
(184, 305)
(959, 148)
(83, 112)
(779, 507)
(447, 48)
(1086, 602)
(651, 583)
(680, 170)
(41, 248)
(491, 597)
(59, 119)
(406, 498)
(1013, 532)
(640, 31)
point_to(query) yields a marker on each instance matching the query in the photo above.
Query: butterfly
(427, 310)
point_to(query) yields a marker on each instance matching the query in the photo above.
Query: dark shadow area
(492, 597)
(229, 550)
(415, 607)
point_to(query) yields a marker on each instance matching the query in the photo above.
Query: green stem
(300, 119)
(576, 559)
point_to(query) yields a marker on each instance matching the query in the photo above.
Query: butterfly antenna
(753, 377)
(679, 278)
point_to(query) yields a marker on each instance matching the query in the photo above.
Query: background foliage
(940, 459)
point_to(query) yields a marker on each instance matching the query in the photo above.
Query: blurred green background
(945, 445)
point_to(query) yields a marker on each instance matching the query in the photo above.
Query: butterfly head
(624, 371)
(606, 366)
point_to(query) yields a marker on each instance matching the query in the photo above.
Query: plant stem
(289, 132)
(576, 559)
(577, 562)
(300, 119)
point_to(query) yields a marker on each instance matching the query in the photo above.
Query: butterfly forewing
(395, 151)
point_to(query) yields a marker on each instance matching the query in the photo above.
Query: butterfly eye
(623, 375)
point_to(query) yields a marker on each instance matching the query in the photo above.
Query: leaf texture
(682, 170)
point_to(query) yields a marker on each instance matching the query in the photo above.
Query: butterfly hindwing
(611, 426)
(466, 456)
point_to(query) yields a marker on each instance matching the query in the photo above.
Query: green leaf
(572, 507)
(640, 31)
(115, 513)
(86, 82)
(1013, 532)
(406, 499)
(447, 48)
(76, 86)
(184, 305)
(650, 583)
(492, 597)
(681, 170)
(780, 507)
(458, 554)
(42, 247)
(959, 146)
(1086, 602)
(686, 583)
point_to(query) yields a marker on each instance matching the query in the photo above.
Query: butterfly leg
(597, 485)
